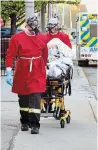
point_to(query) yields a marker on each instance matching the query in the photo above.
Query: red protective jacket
(60, 35)
(25, 81)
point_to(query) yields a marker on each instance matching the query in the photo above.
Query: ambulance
(87, 38)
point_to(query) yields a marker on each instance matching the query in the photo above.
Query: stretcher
(54, 96)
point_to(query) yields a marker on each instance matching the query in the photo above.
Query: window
(93, 30)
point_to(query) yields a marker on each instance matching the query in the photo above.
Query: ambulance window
(93, 30)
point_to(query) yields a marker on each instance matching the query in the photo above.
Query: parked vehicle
(87, 40)
(6, 31)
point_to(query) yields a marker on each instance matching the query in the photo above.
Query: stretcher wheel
(62, 122)
(68, 119)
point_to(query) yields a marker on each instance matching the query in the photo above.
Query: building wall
(74, 11)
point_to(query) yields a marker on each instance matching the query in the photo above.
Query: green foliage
(18, 7)
(8, 8)
(66, 1)
(38, 3)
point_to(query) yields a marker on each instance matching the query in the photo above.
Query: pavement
(9, 115)
(91, 74)
(80, 134)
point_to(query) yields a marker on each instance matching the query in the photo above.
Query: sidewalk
(80, 134)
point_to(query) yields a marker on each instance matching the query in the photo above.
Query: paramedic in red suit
(54, 33)
(29, 47)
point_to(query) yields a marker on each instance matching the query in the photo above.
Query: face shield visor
(34, 24)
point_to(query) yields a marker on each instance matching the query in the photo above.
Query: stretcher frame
(56, 90)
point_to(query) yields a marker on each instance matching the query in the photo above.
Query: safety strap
(60, 69)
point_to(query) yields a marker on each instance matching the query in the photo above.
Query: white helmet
(52, 23)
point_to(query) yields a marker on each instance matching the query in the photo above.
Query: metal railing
(4, 46)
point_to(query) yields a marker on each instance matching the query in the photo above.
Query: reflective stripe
(32, 110)
(85, 36)
(93, 43)
(32, 58)
(24, 109)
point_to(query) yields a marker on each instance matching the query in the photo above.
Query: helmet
(33, 22)
(52, 23)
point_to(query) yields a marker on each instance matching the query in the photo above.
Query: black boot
(34, 130)
(24, 127)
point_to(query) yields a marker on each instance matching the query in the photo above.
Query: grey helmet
(33, 22)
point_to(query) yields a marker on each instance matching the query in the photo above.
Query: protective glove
(9, 76)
